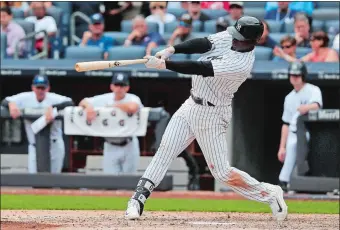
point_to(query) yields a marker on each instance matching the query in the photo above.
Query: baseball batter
(120, 155)
(226, 62)
(302, 99)
(41, 98)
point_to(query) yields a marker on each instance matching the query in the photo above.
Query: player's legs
(57, 153)
(112, 159)
(176, 138)
(132, 156)
(32, 159)
(290, 158)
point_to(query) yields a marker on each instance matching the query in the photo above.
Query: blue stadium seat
(255, 12)
(277, 36)
(17, 13)
(254, 4)
(197, 26)
(332, 23)
(326, 4)
(263, 53)
(194, 57)
(166, 37)
(82, 53)
(3, 46)
(171, 26)
(214, 14)
(127, 26)
(302, 51)
(210, 26)
(177, 12)
(275, 27)
(120, 37)
(326, 14)
(126, 53)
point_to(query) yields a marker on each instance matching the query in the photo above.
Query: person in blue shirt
(140, 36)
(265, 39)
(282, 14)
(95, 36)
(306, 7)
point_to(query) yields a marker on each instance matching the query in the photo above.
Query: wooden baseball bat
(98, 65)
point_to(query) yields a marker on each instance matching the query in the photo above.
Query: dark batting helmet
(298, 68)
(246, 29)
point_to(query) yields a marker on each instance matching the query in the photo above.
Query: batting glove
(166, 53)
(155, 63)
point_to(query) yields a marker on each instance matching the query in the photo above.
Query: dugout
(257, 110)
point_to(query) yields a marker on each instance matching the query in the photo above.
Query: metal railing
(74, 37)
(42, 54)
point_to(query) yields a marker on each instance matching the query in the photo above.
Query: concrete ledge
(313, 184)
(74, 180)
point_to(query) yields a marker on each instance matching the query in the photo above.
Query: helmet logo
(238, 27)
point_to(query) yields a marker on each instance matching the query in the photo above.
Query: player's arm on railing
(128, 107)
(89, 109)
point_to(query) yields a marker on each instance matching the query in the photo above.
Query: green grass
(36, 202)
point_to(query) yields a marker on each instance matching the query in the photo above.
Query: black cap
(222, 24)
(246, 28)
(120, 79)
(40, 80)
(298, 68)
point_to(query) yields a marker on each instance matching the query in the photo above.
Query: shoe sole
(132, 216)
(282, 216)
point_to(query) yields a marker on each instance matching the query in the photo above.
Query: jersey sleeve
(60, 98)
(316, 97)
(137, 100)
(19, 99)
(286, 116)
(220, 40)
(232, 68)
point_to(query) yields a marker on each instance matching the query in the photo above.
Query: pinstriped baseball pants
(208, 125)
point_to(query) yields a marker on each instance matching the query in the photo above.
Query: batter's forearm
(203, 68)
(194, 46)
(284, 136)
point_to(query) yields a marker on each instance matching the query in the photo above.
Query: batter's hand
(155, 63)
(281, 154)
(166, 53)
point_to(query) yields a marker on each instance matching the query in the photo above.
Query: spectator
(302, 30)
(159, 15)
(288, 45)
(95, 36)
(194, 9)
(235, 12)
(24, 6)
(183, 31)
(320, 51)
(42, 22)
(265, 39)
(215, 5)
(336, 42)
(140, 36)
(281, 14)
(306, 7)
(13, 31)
(221, 24)
(114, 14)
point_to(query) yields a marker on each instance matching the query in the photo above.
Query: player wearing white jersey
(302, 99)
(41, 98)
(226, 62)
(120, 155)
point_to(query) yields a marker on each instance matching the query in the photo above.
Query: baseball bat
(98, 65)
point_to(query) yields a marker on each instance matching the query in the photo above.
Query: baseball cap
(221, 24)
(120, 79)
(40, 80)
(239, 4)
(185, 20)
(97, 19)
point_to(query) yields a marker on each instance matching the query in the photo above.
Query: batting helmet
(246, 29)
(298, 68)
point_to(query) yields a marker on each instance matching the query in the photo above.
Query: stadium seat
(332, 25)
(326, 14)
(3, 46)
(197, 26)
(326, 4)
(302, 51)
(17, 13)
(275, 27)
(171, 26)
(214, 14)
(210, 26)
(28, 27)
(120, 37)
(254, 4)
(84, 53)
(131, 52)
(263, 53)
(177, 12)
(277, 36)
(126, 26)
(255, 12)
(166, 37)
(195, 57)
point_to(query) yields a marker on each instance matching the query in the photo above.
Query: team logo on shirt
(113, 113)
(121, 123)
(105, 123)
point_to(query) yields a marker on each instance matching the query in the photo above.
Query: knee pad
(143, 191)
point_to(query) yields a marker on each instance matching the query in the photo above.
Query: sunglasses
(160, 7)
(286, 47)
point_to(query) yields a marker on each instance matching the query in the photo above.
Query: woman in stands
(320, 50)
(288, 45)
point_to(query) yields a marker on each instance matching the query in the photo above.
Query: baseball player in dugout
(303, 98)
(120, 155)
(226, 62)
(41, 98)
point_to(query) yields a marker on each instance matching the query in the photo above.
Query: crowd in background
(108, 16)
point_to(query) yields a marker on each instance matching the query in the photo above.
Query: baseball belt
(200, 101)
(123, 143)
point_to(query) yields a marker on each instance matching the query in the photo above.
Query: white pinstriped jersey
(231, 69)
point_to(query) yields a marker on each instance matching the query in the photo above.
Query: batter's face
(40, 91)
(119, 90)
(296, 80)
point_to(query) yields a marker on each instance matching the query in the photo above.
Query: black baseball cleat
(283, 185)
